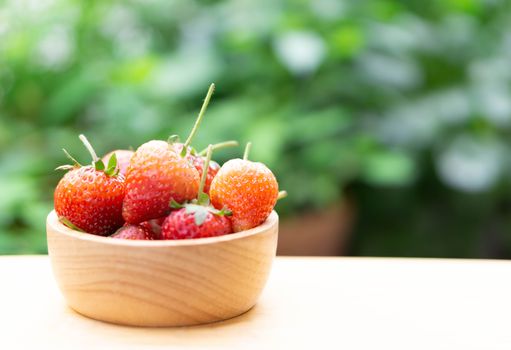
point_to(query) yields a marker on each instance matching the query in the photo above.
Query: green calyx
(69, 224)
(76, 164)
(200, 211)
(201, 206)
(97, 163)
(110, 169)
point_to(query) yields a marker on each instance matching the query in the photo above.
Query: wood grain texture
(309, 303)
(161, 283)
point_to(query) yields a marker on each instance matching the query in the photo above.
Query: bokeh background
(388, 122)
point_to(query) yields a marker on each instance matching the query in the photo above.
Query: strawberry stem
(282, 194)
(89, 148)
(203, 197)
(247, 150)
(219, 146)
(200, 117)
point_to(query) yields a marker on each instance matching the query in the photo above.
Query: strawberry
(248, 189)
(160, 172)
(197, 159)
(123, 159)
(183, 224)
(134, 232)
(198, 163)
(89, 198)
(153, 226)
(197, 219)
(156, 175)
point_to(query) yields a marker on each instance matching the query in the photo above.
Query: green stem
(205, 171)
(89, 148)
(219, 146)
(199, 118)
(247, 150)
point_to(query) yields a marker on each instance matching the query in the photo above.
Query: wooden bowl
(161, 283)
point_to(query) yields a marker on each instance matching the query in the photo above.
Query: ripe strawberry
(89, 198)
(197, 219)
(248, 189)
(134, 232)
(123, 159)
(153, 226)
(197, 159)
(156, 175)
(160, 172)
(182, 224)
(213, 168)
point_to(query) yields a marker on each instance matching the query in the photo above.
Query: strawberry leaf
(75, 162)
(175, 205)
(200, 213)
(192, 208)
(112, 165)
(99, 165)
(112, 162)
(200, 216)
(224, 212)
(203, 199)
(69, 224)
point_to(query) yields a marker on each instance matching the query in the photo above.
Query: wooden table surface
(321, 303)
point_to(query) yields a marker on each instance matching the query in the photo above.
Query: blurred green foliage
(405, 104)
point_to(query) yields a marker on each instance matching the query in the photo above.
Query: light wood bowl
(161, 283)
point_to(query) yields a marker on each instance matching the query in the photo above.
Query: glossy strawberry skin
(153, 226)
(181, 225)
(156, 175)
(198, 163)
(91, 200)
(248, 189)
(134, 232)
(123, 159)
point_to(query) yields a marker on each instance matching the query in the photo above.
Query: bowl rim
(53, 222)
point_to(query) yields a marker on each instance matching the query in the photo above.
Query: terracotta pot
(321, 233)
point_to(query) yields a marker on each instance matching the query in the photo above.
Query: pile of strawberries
(165, 190)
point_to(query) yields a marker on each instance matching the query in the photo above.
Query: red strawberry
(89, 198)
(198, 162)
(182, 224)
(248, 189)
(156, 175)
(123, 159)
(153, 226)
(213, 169)
(197, 219)
(134, 232)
